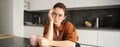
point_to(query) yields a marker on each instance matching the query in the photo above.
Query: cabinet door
(87, 37)
(32, 30)
(86, 3)
(109, 2)
(109, 38)
(26, 4)
(68, 3)
(41, 4)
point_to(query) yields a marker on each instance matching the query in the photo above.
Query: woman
(58, 31)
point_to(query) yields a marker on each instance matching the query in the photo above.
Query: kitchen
(93, 36)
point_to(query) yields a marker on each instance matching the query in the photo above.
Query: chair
(78, 45)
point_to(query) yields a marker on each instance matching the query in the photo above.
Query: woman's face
(58, 16)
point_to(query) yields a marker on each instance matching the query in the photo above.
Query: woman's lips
(56, 21)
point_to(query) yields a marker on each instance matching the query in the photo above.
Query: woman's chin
(56, 23)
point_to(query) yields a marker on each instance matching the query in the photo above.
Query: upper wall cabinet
(86, 3)
(68, 3)
(48, 4)
(26, 4)
(41, 4)
(109, 2)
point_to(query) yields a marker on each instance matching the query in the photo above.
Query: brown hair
(61, 5)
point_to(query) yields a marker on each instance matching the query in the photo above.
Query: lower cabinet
(33, 30)
(99, 38)
(109, 38)
(87, 37)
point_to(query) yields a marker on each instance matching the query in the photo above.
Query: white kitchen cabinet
(87, 37)
(86, 3)
(86, 46)
(33, 30)
(41, 4)
(109, 38)
(48, 4)
(109, 2)
(26, 4)
(68, 3)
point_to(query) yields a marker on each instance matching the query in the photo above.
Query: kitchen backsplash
(93, 18)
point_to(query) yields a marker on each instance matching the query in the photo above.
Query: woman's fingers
(43, 41)
(50, 14)
(51, 11)
(39, 38)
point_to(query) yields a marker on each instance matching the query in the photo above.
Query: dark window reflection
(107, 21)
(35, 19)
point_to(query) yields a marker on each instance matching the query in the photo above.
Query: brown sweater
(66, 32)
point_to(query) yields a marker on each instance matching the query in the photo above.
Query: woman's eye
(54, 13)
(60, 15)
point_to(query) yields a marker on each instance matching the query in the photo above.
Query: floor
(3, 36)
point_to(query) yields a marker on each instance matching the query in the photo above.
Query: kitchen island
(88, 37)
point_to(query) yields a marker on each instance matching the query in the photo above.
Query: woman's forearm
(50, 31)
(63, 43)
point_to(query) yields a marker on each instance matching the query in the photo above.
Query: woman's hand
(50, 15)
(43, 41)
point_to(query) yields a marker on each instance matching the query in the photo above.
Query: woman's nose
(56, 17)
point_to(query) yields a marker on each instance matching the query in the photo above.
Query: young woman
(58, 31)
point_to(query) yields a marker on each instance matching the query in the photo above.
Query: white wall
(11, 17)
(18, 10)
(6, 16)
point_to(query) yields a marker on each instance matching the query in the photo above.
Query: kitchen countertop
(82, 28)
